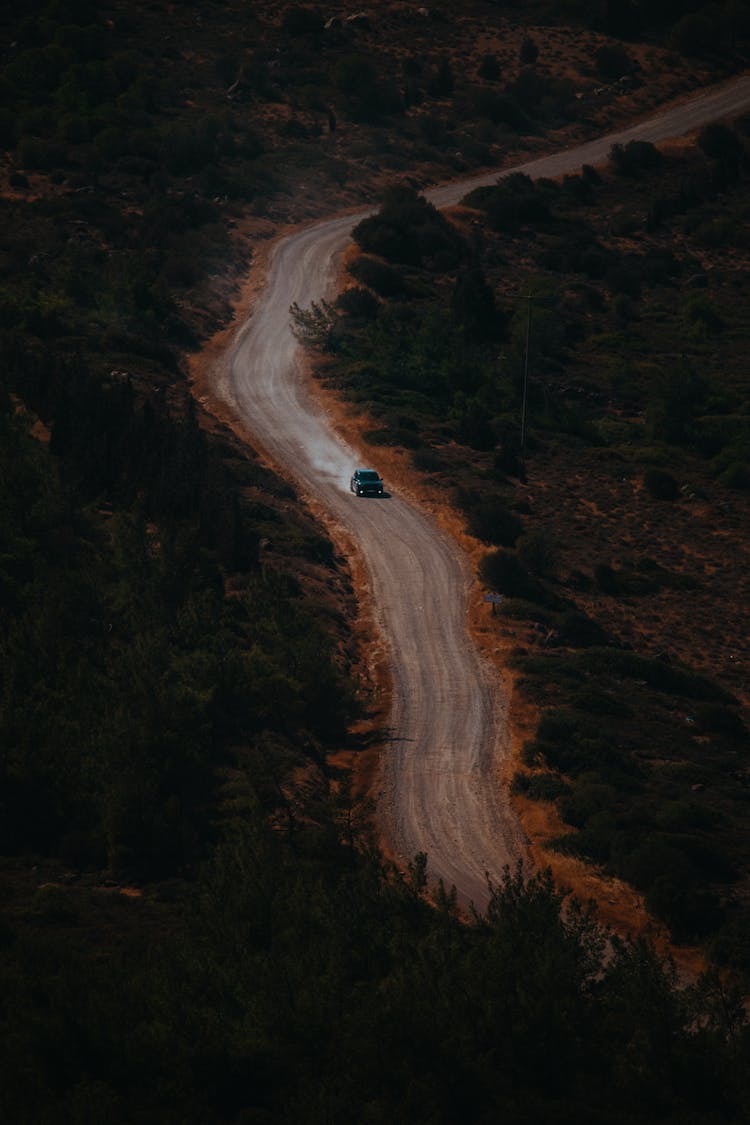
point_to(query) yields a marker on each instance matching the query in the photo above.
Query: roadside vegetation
(194, 924)
(607, 530)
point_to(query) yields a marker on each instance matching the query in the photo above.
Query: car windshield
(368, 474)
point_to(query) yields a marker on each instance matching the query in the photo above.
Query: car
(366, 482)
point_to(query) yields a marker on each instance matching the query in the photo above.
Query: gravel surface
(440, 787)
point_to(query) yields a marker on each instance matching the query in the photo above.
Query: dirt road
(440, 790)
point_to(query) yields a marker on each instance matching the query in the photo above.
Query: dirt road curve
(440, 788)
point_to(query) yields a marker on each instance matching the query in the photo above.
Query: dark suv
(366, 482)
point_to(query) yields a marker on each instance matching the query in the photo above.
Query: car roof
(366, 472)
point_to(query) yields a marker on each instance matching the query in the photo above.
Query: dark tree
(723, 145)
(473, 305)
(529, 51)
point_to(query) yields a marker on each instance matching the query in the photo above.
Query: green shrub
(712, 718)
(540, 786)
(383, 279)
(500, 109)
(427, 460)
(612, 61)
(9, 130)
(490, 521)
(589, 797)
(473, 306)
(362, 92)
(411, 231)
(490, 68)
(433, 129)
(606, 579)
(302, 21)
(721, 143)
(542, 93)
(736, 475)
(661, 485)
(576, 628)
(503, 571)
(440, 82)
(685, 816)
(624, 278)
(677, 401)
(635, 156)
(672, 679)
(359, 303)
(597, 701)
(529, 52)
(696, 33)
(700, 312)
(690, 912)
(515, 201)
(537, 551)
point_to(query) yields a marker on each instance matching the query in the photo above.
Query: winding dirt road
(440, 790)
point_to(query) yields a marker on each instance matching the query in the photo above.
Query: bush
(612, 61)
(515, 200)
(538, 553)
(427, 460)
(490, 68)
(678, 400)
(624, 279)
(661, 485)
(386, 281)
(712, 718)
(696, 33)
(606, 579)
(690, 913)
(441, 81)
(701, 313)
(541, 93)
(575, 628)
(634, 157)
(503, 571)
(365, 96)
(490, 521)
(8, 128)
(736, 475)
(540, 786)
(722, 144)
(671, 679)
(410, 230)
(302, 21)
(529, 52)
(358, 302)
(598, 702)
(500, 109)
(590, 796)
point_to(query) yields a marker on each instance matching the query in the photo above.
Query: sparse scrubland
(193, 921)
(617, 531)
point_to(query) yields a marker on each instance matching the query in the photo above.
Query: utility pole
(528, 299)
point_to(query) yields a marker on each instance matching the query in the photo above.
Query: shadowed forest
(195, 925)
